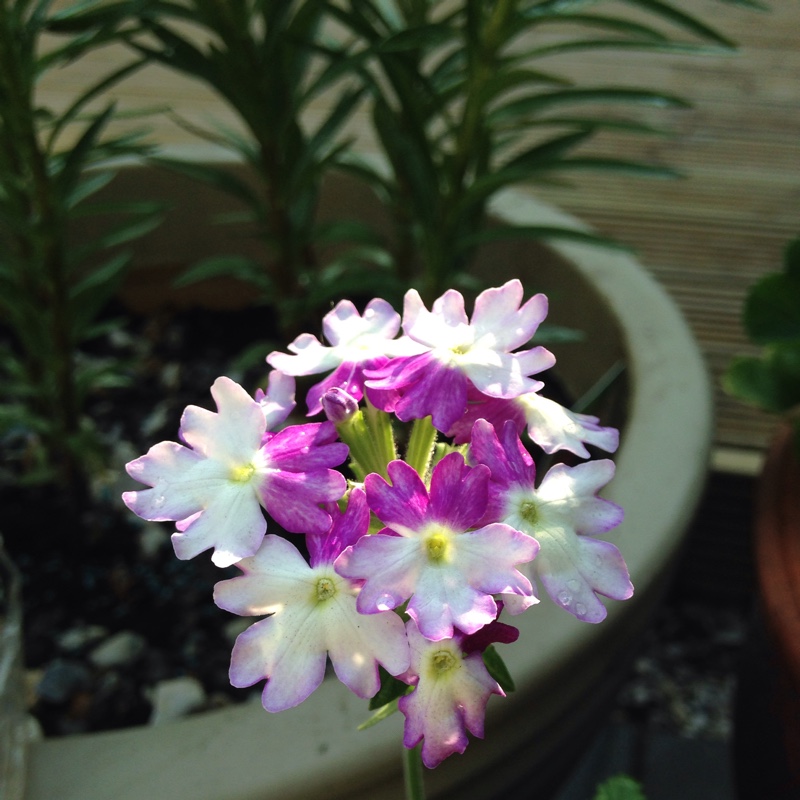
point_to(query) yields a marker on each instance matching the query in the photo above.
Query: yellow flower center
(442, 661)
(529, 512)
(437, 547)
(242, 474)
(326, 589)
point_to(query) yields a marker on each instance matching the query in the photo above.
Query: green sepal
(497, 669)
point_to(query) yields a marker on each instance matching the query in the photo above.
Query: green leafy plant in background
(771, 319)
(463, 102)
(620, 787)
(53, 289)
(264, 60)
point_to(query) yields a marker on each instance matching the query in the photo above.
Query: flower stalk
(413, 777)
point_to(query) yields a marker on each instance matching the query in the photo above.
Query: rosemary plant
(467, 100)
(263, 59)
(52, 288)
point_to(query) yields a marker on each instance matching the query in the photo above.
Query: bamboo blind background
(705, 237)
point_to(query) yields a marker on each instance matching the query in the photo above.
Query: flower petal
(388, 566)
(231, 523)
(403, 505)
(293, 498)
(458, 493)
(499, 318)
(233, 434)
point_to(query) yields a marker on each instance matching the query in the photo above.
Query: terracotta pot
(777, 646)
(566, 671)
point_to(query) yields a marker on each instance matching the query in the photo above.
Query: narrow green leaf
(549, 151)
(423, 38)
(498, 669)
(240, 267)
(536, 103)
(382, 713)
(683, 20)
(219, 177)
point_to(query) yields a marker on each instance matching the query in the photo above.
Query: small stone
(175, 698)
(61, 680)
(76, 639)
(123, 648)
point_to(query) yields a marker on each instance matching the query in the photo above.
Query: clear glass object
(14, 724)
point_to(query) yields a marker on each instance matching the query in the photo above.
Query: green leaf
(78, 156)
(772, 309)
(536, 103)
(423, 37)
(683, 20)
(217, 176)
(620, 787)
(240, 267)
(384, 712)
(391, 689)
(791, 258)
(498, 669)
(771, 382)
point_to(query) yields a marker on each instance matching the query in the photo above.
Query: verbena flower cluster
(410, 560)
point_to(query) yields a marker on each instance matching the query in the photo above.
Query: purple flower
(460, 352)
(214, 487)
(428, 553)
(452, 687)
(550, 425)
(564, 515)
(357, 343)
(312, 615)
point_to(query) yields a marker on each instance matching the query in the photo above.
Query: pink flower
(549, 424)
(429, 553)
(357, 343)
(460, 352)
(214, 487)
(564, 515)
(452, 687)
(312, 615)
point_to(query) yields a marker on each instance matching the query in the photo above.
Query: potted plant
(770, 380)
(668, 383)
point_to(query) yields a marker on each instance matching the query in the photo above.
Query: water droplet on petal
(159, 501)
(574, 584)
(580, 608)
(564, 598)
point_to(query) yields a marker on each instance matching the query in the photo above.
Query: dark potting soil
(109, 612)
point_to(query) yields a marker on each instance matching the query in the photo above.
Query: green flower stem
(420, 446)
(412, 774)
(368, 434)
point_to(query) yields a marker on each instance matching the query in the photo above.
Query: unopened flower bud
(338, 405)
